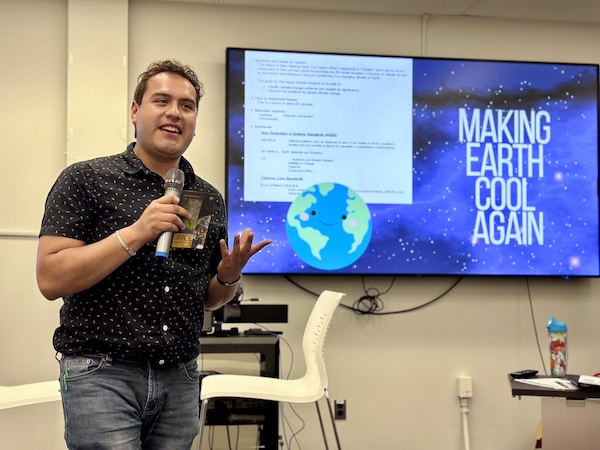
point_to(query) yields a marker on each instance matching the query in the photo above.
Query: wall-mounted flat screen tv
(376, 165)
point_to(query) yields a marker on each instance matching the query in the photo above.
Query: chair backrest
(315, 333)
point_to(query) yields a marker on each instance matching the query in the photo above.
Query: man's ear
(134, 110)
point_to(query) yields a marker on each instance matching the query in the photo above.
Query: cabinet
(569, 417)
(240, 411)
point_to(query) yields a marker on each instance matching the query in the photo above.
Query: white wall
(396, 372)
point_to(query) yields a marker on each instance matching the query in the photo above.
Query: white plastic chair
(309, 388)
(29, 394)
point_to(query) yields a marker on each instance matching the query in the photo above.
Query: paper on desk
(551, 383)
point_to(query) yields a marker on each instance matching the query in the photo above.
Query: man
(130, 324)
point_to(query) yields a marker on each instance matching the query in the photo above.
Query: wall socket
(464, 387)
(339, 409)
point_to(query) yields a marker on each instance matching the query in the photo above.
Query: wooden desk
(570, 418)
(519, 389)
(268, 348)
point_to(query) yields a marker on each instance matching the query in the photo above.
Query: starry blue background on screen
(434, 234)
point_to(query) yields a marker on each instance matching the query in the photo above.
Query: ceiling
(579, 11)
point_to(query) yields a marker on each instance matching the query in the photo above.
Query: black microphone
(173, 186)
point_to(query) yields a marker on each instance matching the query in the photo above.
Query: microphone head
(174, 181)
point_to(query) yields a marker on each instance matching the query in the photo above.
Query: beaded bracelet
(225, 283)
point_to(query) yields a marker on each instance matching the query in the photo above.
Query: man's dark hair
(170, 66)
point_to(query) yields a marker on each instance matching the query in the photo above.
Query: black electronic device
(260, 332)
(526, 373)
(252, 313)
(238, 312)
(233, 411)
(585, 382)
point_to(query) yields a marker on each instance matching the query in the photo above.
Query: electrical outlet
(339, 409)
(465, 387)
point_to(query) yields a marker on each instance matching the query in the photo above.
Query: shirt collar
(136, 166)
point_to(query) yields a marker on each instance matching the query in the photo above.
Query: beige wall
(397, 372)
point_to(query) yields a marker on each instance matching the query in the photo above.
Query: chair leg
(322, 426)
(203, 411)
(337, 438)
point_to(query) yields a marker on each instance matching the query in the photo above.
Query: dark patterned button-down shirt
(149, 308)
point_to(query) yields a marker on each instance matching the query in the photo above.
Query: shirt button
(165, 327)
(167, 288)
(161, 362)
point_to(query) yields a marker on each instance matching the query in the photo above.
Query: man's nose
(173, 110)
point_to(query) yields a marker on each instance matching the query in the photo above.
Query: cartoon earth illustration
(329, 226)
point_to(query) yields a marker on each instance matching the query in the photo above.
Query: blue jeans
(123, 405)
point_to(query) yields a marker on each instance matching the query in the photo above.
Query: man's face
(165, 121)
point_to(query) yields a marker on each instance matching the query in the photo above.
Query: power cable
(372, 304)
(537, 338)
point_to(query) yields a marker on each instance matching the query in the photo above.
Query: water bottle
(557, 335)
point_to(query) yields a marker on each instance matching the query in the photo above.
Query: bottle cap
(556, 326)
